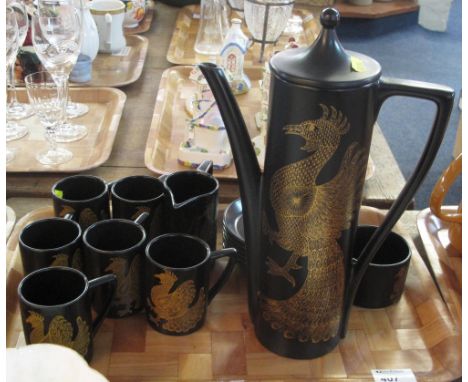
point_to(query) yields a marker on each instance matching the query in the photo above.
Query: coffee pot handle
(443, 97)
(232, 253)
(110, 279)
(107, 37)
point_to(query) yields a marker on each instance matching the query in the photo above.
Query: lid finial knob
(330, 18)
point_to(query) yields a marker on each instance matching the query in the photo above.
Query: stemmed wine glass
(56, 34)
(11, 32)
(16, 110)
(43, 95)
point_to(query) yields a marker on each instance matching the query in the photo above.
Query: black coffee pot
(301, 214)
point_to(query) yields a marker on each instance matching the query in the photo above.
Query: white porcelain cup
(109, 16)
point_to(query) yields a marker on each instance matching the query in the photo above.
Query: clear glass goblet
(44, 96)
(56, 32)
(17, 110)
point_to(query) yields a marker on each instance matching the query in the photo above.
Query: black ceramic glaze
(300, 215)
(191, 204)
(177, 282)
(384, 280)
(50, 242)
(85, 197)
(133, 195)
(116, 246)
(55, 306)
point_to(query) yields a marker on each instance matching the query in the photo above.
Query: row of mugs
(168, 274)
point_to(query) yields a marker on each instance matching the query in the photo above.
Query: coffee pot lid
(326, 64)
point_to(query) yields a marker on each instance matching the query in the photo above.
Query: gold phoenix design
(127, 293)
(175, 309)
(310, 218)
(86, 218)
(60, 332)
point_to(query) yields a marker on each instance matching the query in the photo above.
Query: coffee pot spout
(247, 167)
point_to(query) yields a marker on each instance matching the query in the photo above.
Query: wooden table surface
(420, 332)
(127, 157)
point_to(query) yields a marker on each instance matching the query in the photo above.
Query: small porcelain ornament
(206, 137)
(232, 56)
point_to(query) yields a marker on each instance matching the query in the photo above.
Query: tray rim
(170, 56)
(13, 257)
(11, 221)
(112, 128)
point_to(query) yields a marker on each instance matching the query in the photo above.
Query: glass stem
(14, 98)
(61, 81)
(50, 137)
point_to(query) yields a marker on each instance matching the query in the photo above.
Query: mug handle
(107, 37)
(141, 218)
(441, 188)
(443, 97)
(206, 166)
(232, 254)
(110, 279)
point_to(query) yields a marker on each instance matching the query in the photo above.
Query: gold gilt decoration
(61, 260)
(87, 217)
(310, 218)
(139, 211)
(127, 294)
(175, 309)
(60, 332)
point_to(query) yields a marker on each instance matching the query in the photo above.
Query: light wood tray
(102, 120)
(145, 24)
(417, 333)
(115, 71)
(181, 49)
(445, 260)
(10, 221)
(169, 122)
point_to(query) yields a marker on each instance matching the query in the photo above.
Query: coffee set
(117, 247)
(296, 229)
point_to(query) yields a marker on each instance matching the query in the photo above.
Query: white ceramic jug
(109, 16)
(90, 36)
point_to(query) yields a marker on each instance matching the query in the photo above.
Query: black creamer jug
(300, 215)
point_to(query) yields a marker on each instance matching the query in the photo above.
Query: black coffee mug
(55, 306)
(191, 205)
(384, 281)
(116, 246)
(50, 242)
(132, 195)
(177, 274)
(85, 197)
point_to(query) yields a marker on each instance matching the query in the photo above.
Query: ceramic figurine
(206, 137)
(232, 55)
(134, 12)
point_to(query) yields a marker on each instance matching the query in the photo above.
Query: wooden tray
(181, 49)
(445, 260)
(145, 24)
(169, 122)
(10, 221)
(102, 120)
(115, 71)
(417, 333)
